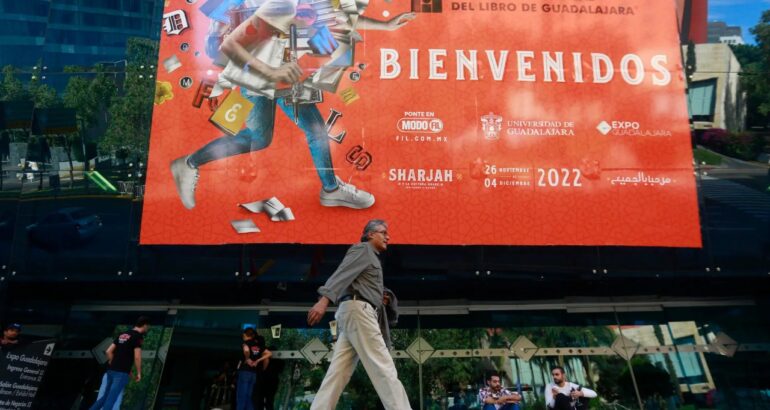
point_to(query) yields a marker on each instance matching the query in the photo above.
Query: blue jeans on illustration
(244, 389)
(113, 384)
(258, 135)
(509, 406)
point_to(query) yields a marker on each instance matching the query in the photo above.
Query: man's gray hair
(370, 227)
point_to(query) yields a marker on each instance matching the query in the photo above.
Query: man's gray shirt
(360, 273)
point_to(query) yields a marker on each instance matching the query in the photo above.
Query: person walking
(124, 352)
(358, 290)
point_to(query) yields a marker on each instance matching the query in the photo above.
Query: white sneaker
(347, 195)
(186, 179)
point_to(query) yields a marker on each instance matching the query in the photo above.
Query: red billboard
(459, 122)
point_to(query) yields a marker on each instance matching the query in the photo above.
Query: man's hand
(575, 394)
(251, 363)
(138, 377)
(318, 311)
(213, 103)
(554, 391)
(288, 73)
(386, 298)
(400, 21)
(513, 398)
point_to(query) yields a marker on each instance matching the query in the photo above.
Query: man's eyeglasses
(382, 232)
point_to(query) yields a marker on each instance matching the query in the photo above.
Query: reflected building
(690, 367)
(716, 99)
(73, 32)
(693, 15)
(720, 32)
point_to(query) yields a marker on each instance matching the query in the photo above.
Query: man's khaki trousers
(360, 338)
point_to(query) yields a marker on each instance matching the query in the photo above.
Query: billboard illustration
(459, 122)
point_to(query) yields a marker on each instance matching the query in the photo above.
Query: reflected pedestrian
(11, 334)
(563, 395)
(495, 397)
(124, 352)
(254, 354)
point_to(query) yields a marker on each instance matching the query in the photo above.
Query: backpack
(582, 402)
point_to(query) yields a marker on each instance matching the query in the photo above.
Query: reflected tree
(11, 88)
(130, 113)
(41, 94)
(755, 76)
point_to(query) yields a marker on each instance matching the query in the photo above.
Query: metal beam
(453, 307)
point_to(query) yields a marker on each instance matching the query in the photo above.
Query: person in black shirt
(122, 353)
(254, 354)
(267, 384)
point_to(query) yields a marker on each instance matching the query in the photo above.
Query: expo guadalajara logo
(630, 128)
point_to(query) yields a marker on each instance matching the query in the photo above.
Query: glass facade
(73, 33)
(640, 355)
(647, 328)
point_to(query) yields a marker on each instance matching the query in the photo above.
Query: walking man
(122, 353)
(358, 290)
(563, 395)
